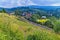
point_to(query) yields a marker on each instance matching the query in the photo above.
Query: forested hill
(54, 10)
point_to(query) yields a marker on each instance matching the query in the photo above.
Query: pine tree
(3, 10)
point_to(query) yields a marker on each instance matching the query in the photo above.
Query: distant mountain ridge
(31, 7)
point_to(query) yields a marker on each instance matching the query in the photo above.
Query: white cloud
(15, 3)
(25, 3)
(31, 3)
(56, 4)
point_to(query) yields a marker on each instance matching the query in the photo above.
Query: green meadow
(13, 29)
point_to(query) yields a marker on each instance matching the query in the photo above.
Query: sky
(16, 3)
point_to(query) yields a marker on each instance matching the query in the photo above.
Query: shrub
(57, 27)
(34, 17)
(49, 24)
(31, 37)
(42, 21)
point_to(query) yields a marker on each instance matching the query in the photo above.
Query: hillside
(11, 28)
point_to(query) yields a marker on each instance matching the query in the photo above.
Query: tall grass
(13, 29)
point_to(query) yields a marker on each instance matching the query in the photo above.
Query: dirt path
(37, 24)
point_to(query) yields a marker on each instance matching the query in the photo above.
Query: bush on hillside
(49, 24)
(18, 12)
(34, 17)
(31, 37)
(42, 21)
(57, 27)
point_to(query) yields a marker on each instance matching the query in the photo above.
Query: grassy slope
(13, 29)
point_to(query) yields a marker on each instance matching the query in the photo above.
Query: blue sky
(15, 3)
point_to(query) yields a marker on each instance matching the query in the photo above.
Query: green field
(13, 29)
